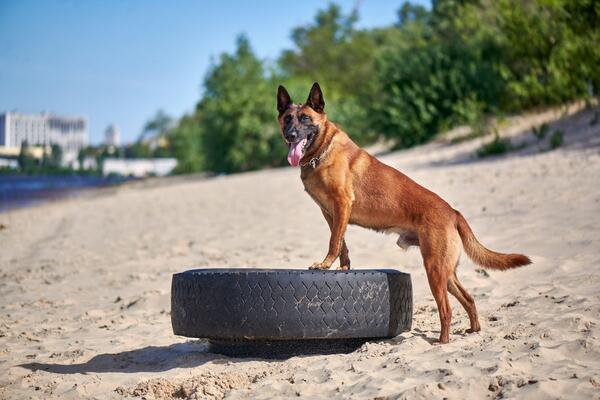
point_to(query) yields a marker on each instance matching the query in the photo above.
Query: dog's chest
(318, 188)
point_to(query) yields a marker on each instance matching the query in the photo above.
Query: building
(44, 130)
(112, 136)
(139, 167)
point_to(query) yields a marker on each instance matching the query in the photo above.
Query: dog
(353, 187)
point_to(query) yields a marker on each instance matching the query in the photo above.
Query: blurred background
(102, 90)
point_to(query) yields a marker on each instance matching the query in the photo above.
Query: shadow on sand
(580, 129)
(146, 359)
(195, 353)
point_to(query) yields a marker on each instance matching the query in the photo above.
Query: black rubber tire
(271, 304)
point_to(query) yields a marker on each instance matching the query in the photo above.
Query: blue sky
(120, 61)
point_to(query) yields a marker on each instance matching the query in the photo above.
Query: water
(20, 191)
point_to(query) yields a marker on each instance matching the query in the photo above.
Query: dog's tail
(483, 256)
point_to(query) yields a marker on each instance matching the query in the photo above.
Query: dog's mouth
(296, 151)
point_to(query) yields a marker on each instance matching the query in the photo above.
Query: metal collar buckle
(315, 160)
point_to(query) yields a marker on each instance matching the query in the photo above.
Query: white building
(112, 136)
(138, 167)
(44, 129)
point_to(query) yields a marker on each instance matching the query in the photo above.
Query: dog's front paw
(344, 267)
(319, 265)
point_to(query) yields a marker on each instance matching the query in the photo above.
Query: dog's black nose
(291, 137)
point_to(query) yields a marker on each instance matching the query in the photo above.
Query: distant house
(138, 167)
(43, 130)
(8, 163)
(89, 162)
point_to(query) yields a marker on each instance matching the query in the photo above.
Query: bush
(237, 115)
(436, 75)
(435, 69)
(495, 147)
(186, 143)
(556, 139)
(541, 132)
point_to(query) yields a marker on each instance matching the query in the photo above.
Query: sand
(84, 282)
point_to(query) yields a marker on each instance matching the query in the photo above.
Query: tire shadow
(186, 355)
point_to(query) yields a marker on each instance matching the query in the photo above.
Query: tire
(273, 305)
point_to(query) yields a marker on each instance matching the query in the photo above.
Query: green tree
(467, 58)
(435, 72)
(81, 155)
(25, 160)
(434, 69)
(138, 150)
(341, 58)
(56, 156)
(550, 50)
(239, 130)
(186, 143)
(157, 125)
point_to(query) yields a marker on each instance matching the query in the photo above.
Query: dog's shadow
(146, 359)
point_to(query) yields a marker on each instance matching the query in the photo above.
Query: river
(20, 191)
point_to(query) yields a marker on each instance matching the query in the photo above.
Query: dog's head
(300, 123)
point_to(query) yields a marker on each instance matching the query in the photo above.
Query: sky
(119, 61)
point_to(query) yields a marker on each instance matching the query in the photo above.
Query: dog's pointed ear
(283, 99)
(315, 98)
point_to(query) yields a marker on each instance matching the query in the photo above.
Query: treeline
(434, 69)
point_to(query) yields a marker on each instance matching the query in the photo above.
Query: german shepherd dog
(351, 186)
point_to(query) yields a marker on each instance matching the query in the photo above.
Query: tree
(186, 144)
(56, 156)
(341, 58)
(409, 12)
(138, 150)
(550, 50)
(157, 126)
(238, 121)
(439, 70)
(25, 160)
(433, 69)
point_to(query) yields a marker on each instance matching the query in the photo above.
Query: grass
(495, 147)
(557, 139)
(479, 127)
(541, 132)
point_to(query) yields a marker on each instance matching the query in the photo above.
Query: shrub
(556, 139)
(495, 147)
(541, 131)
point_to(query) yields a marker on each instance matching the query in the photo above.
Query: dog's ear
(315, 98)
(283, 99)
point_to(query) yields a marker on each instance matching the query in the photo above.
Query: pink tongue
(296, 152)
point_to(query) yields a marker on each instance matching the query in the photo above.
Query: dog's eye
(305, 118)
(287, 119)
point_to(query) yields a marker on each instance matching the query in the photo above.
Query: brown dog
(353, 187)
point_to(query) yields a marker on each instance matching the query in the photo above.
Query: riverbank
(26, 190)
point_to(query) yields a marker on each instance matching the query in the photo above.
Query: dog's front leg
(344, 253)
(341, 215)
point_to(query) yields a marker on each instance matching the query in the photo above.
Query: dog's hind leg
(344, 257)
(434, 248)
(466, 300)
(454, 285)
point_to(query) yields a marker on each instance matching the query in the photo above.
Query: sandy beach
(84, 282)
